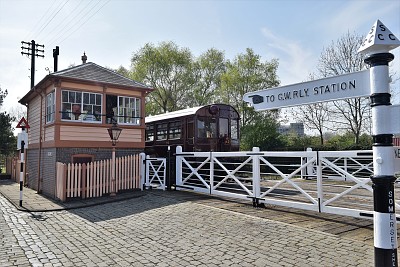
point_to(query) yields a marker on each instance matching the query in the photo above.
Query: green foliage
(167, 68)
(293, 142)
(261, 133)
(246, 73)
(207, 71)
(8, 142)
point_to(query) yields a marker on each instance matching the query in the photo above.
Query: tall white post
(256, 175)
(178, 166)
(376, 46)
(142, 170)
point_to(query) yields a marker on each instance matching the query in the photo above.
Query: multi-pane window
(150, 132)
(129, 110)
(50, 107)
(162, 130)
(174, 130)
(81, 106)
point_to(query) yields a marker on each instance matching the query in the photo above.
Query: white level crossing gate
(336, 182)
(155, 173)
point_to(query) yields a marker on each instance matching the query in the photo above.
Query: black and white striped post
(376, 46)
(21, 174)
(22, 144)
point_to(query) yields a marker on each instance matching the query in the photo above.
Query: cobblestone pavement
(155, 230)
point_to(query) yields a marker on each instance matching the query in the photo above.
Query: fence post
(84, 180)
(147, 174)
(178, 166)
(142, 169)
(211, 173)
(319, 182)
(310, 168)
(256, 176)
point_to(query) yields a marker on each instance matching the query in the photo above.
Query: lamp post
(114, 131)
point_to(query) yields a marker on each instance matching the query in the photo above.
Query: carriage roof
(173, 114)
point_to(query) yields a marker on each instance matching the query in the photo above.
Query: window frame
(95, 106)
(50, 108)
(124, 110)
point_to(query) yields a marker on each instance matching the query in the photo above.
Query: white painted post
(376, 46)
(211, 173)
(256, 175)
(178, 166)
(147, 176)
(310, 168)
(21, 174)
(320, 191)
(142, 169)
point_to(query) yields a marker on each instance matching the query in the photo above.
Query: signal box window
(81, 106)
(123, 109)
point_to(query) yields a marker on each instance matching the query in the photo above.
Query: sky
(110, 31)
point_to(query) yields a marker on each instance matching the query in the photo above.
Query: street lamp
(114, 131)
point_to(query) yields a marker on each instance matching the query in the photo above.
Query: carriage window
(234, 129)
(174, 130)
(190, 130)
(206, 127)
(162, 130)
(150, 133)
(223, 127)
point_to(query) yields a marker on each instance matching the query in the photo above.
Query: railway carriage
(212, 127)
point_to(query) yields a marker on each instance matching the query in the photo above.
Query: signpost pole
(21, 174)
(377, 44)
(385, 226)
(22, 144)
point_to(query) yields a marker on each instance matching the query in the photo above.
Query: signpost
(21, 145)
(333, 88)
(376, 46)
(375, 83)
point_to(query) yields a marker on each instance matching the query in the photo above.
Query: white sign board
(23, 136)
(345, 86)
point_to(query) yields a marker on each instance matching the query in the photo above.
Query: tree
(262, 133)
(166, 68)
(207, 71)
(7, 139)
(339, 58)
(3, 95)
(314, 116)
(246, 73)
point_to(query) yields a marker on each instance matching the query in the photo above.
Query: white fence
(333, 182)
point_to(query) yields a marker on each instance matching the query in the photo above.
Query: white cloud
(295, 61)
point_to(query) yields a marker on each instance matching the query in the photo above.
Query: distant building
(297, 128)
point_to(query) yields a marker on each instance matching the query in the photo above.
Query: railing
(332, 182)
(94, 179)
